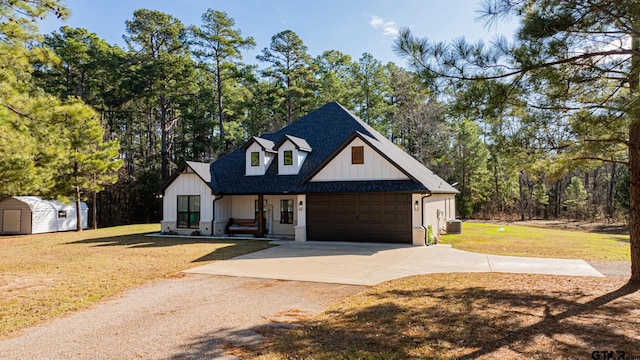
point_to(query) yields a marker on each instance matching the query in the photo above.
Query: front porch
(283, 216)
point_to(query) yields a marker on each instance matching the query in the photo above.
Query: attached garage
(366, 217)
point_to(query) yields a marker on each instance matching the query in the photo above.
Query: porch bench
(242, 226)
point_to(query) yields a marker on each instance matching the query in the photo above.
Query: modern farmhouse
(327, 176)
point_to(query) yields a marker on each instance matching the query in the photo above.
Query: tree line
(179, 92)
(562, 96)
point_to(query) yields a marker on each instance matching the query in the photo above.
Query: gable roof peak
(201, 169)
(266, 144)
(299, 143)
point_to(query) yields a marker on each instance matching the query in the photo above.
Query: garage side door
(373, 217)
(11, 221)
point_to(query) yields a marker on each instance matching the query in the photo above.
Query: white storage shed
(34, 215)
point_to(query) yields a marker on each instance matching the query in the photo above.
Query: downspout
(213, 218)
(422, 216)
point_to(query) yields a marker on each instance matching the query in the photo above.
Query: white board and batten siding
(297, 159)
(265, 160)
(187, 184)
(243, 207)
(375, 167)
(438, 209)
(233, 206)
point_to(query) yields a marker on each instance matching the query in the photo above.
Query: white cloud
(376, 22)
(388, 27)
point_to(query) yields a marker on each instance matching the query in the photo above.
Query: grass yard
(470, 316)
(516, 240)
(47, 275)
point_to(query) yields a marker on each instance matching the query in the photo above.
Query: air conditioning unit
(454, 226)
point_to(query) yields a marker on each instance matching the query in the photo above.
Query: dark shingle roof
(324, 130)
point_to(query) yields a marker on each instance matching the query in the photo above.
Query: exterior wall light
(416, 206)
(300, 205)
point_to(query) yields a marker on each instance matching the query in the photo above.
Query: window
(255, 158)
(286, 211)
(288, 157)
(189, 211)
(62, 214)
(357, 155)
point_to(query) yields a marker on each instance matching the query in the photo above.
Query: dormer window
(255, 158)
(292, 152)
(259, 153)
(288, 157)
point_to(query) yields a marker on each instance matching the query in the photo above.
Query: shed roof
(37, 203)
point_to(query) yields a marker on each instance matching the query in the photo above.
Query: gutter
(426, 243)
(213, 218)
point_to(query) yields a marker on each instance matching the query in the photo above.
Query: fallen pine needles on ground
(469, 316)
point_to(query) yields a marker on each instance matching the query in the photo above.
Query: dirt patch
(291, 316)
(22, 285)
(177, 275)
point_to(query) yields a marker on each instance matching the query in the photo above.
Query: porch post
(261, 215)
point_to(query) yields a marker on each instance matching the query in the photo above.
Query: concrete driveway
(371, 263)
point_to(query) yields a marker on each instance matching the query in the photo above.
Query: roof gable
(266, 144)
(202, 170)
(300, 144)
(340, 150)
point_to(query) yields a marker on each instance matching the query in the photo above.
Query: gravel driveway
(184, 318)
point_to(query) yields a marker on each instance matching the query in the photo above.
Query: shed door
(372, 217)
(11, 221)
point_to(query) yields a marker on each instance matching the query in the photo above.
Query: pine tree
(469, 157)
(90, 163)
(576, 197)
(291, 70)
(219, 44)
(163, 70)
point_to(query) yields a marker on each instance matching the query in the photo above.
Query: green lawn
(518, 240)
(47, 275)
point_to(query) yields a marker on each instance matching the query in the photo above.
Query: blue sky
(350, 26)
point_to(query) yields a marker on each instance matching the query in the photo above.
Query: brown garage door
(375, 217)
